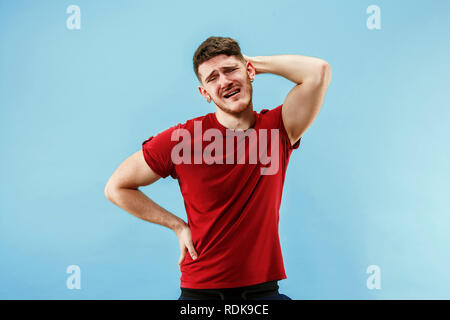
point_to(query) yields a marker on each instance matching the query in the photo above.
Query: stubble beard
(237, 112)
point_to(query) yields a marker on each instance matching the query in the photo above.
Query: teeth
(229, 95)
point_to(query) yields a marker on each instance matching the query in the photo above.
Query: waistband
(240, 293)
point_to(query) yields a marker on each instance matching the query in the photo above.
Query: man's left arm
(302, 104)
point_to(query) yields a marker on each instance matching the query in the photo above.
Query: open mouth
(235, 92)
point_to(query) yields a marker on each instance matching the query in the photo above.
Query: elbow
(322, 75)
(109, 191)
(326, 73)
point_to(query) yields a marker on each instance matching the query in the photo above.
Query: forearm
(292, 67)
(141, 206)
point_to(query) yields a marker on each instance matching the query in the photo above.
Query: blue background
(368, 186)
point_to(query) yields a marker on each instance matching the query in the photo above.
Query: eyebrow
(223, 68)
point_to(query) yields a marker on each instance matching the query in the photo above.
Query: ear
(204, 93)
(251, 71)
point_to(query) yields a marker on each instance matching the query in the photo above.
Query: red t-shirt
(232, 206)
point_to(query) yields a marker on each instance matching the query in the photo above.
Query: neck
(240, 121)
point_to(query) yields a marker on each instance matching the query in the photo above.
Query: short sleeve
(157, 153)
(284, 136)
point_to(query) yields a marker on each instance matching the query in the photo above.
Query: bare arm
(302, 104)
(122, 190)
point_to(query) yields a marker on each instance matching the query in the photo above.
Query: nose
(225, 83)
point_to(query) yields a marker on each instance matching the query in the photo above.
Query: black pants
(257, 291)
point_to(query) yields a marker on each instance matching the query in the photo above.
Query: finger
(192, 252)
(182, 256)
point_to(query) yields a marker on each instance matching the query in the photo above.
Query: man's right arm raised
(122, 189)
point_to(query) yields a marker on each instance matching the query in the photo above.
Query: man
(232, 203)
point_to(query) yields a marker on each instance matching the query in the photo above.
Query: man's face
(223, 75)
